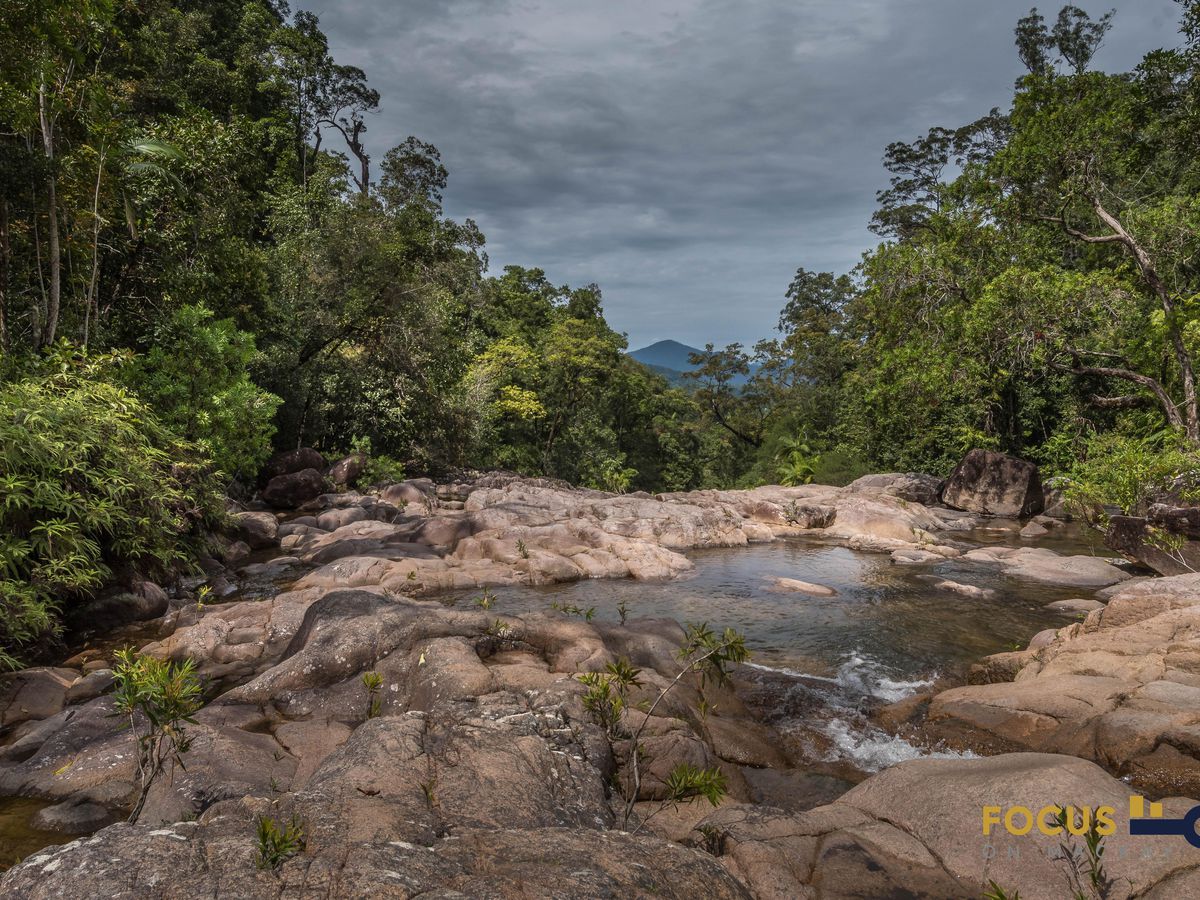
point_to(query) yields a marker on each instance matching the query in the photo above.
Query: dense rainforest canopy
(201, 262)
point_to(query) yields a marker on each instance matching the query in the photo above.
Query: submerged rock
(795, 585)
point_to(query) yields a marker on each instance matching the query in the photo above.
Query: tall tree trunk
(1187, 372)
(5, 265)
(54, 249)
(90, 300)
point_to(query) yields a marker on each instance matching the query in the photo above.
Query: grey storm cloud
(686, 155)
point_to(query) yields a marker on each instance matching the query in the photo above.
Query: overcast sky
(686, 155)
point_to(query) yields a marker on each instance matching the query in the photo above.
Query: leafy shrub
(194, 377)
(380, 468)
(158, 697)
(91, 484)
(1129, 473)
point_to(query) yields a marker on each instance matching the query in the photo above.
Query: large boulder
(994, 484)
(117, 607)
(258, 529)
(290, 461)
(294, 489)
(348, 469)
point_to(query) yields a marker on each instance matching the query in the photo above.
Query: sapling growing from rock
(373, 682)
(707, 654)
(703, 652)
(158, 697)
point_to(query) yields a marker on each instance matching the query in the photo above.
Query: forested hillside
(1037, 289)
(200, 263)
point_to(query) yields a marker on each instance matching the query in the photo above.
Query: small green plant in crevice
(429, 789)
(373, 682)
(687, 782)
(793, 513)
(501, 630)
(1084, 865)
(622, 610)
(522, 549)
(486, 600)
(202, 594)
(996, 892)
(278, 843)
(607, 694)
(714, 840)
(571, 610)
(158, 698)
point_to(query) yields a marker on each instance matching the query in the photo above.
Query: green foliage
(571, 609)
(380, 469)
(607, 693)
(711, 654)
(195, 378)
(1084, 865)
(1130, 473)
(276, 843)
(92, 485)
(687, 782)
(158, 698)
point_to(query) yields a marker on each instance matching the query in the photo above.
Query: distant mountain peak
(666, 354)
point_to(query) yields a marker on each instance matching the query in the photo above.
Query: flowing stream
(822, 665)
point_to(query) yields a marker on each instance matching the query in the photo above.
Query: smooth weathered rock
(348, 469)
(1168, 550)
(1034, 530)
(796, 586)
(416, 492)
(1122, 688)
(966, 590)
(291, 461)
(294, 489)
(1048, 567)
(911, 486)
(116, 607)
(915, 830)
(994, 484)
(36, 693)
(1075, 606)
(258, 529)
(71, 817)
